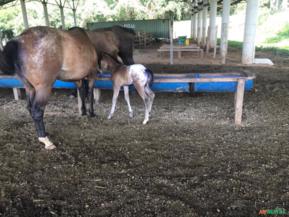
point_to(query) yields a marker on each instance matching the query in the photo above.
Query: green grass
(273, 50)
(281, 36)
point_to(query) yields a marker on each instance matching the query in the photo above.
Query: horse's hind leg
(116, 89)
(30, 94)
(126, 97)
(151, 96)
(90, 97)
(141, 91)
(82, 92)
(37, 112)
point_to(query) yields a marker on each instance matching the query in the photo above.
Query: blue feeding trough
(220, 86)
(159, 84)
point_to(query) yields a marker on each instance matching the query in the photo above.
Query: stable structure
(198, 8)
(198, 26)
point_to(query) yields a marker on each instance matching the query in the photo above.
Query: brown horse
(39, 56)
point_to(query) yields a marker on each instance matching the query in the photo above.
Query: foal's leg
(151, 96)
(116, 88)
(126, 97)
(82, 92)
(37, 112)
(90, 97)
(141, 91)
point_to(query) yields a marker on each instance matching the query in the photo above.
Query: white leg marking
(114, 99)
(48, 144)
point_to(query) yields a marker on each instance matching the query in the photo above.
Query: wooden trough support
(237, 82)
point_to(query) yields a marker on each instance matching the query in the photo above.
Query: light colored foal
(123, 76)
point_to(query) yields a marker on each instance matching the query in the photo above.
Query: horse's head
(108, 62)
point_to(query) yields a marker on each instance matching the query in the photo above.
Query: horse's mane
(116, 29)
(76, 28)
(128, 30)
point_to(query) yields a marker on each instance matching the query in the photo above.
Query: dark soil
(190, 160)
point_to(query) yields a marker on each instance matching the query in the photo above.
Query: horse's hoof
(131, 115)
(83, 113)
(145, 122)
(48, 144)
(109, 117)
(92, 115)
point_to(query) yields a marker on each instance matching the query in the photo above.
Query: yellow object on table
(187, 42)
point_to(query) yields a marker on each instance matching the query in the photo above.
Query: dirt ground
(189, 161)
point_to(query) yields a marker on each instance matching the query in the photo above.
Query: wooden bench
(180, 48)
(236, 82)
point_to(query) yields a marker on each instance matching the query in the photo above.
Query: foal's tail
(150, 76)
(9, 58)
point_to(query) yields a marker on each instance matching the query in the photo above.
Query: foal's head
(108, 62)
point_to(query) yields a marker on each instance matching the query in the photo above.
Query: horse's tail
(9, 58)
(150, 76)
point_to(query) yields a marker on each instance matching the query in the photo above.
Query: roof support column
(225, 26)
(248, 54)
(205, 14)
(61, 4)
(192, 25)
(195, 23)
(62, 16)
(74, 12)
(24, 14)
(46, 17)
(74, 17)
(200, 14)
(213, 15)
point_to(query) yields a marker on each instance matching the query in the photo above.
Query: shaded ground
(190, 160)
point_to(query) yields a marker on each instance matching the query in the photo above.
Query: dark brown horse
(39, 56)
(116, 41)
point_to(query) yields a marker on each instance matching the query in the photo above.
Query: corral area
(190, 160)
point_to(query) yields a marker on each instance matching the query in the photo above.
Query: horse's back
(104, 40)
(48, 53)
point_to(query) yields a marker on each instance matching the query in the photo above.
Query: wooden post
(96, 94)
(16, 93)
(239, 98)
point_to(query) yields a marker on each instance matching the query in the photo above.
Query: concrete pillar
(205, 14)
(213, 15)
(248, 54)
(192, 25)
(200, 14)
(195, 33)
(46, 17)
(224, 33)
(24, 14)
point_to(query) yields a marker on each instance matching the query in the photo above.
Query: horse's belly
(71, 76)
